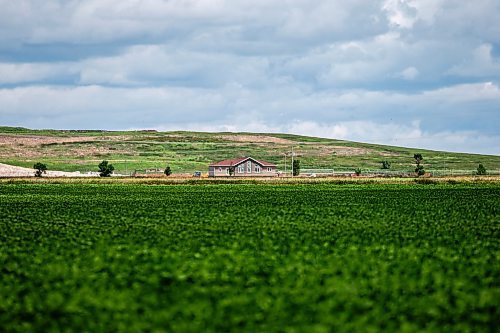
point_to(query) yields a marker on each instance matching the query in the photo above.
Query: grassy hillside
(82, 150)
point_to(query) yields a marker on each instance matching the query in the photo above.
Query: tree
(231, 170)
(418, 158)
(481, 170)
(357, 171)
(167, 171)
(296, 167)
(419, 170)
(40, 169)
(386, 164)
(105, 169)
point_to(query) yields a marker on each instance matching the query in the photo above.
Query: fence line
(381, 172)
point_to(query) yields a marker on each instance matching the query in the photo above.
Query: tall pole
(285, 164)
(444, 166)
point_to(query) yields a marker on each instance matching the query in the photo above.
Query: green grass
(249, 258)
(190, 151)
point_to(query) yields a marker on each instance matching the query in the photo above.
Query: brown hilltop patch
(31, 146)
(253, 138)
(326, 150)
(388, 154)
(350, 151)
(35, 140)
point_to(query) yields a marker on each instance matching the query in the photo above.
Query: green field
(249, 258)
(185, 152)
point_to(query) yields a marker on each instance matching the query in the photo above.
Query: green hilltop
(185, 152)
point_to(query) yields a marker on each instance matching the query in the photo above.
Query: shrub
(418, 158)
(167, 171)
(40, 169)
(386, 164)
(357, 171)
(419, 170)
(481, 170)
(105, 169)
(296, 167)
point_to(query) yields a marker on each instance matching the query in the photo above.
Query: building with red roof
(243, 167)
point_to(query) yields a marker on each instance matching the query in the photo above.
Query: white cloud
(400, 13)
(487, 91)
(11, 73)
(479, 64)
(93, 21)
(152, 65)
(406, 13)
(330, 43)
(409, 73)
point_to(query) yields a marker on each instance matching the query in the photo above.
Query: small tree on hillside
(40, 169)
(386, 164)
(167, 171)
(296, 167)
(105, 169)
(419, 170)
(418, 158)
(231, 170)
(481, 170)
(357, 171)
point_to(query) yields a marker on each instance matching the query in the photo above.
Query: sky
(414, 73)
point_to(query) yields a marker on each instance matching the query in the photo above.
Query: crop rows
(214, 258)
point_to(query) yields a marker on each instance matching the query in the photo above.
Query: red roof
(240, 160)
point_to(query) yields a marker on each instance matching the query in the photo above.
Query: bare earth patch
(30, 146)
(341, 151)
(326, 150)
(35, 140)
(15, 171)
(253, 138)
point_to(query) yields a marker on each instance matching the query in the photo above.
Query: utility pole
(285, 163)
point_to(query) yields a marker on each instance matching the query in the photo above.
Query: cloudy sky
(417, 73)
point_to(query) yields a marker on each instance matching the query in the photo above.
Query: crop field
(249, 258)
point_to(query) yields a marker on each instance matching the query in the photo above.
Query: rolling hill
(185, 152)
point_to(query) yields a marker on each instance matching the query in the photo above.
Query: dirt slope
(15, 171)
